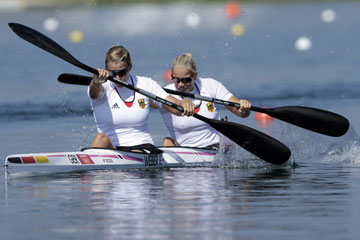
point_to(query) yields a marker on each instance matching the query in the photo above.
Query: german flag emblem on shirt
(141, 103)
(210, 106)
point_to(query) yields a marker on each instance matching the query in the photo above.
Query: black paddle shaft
(313, 119)
(258, 143)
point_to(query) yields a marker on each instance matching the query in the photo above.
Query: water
(237, 198)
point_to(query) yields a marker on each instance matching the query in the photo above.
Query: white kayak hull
(102, 159)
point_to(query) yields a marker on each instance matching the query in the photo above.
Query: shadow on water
(259, 181)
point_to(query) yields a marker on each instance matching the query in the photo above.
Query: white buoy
(51, 24)
(303, 44)
(328, 15)
(192, 20)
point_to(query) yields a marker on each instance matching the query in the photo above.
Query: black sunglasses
(184, 80)
(120, 73)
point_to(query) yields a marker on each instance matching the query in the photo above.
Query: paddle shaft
(84, 80)
(214, 100)
(313, 119)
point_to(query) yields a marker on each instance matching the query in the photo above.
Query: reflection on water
(181, 203)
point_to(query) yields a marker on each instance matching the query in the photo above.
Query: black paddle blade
(317, 120)
(45, 43)
(256, 142)
(74, 79)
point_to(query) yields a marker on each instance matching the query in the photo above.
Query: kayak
(102, 158)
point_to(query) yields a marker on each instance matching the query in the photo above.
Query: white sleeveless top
(122, 114)
(189, 131)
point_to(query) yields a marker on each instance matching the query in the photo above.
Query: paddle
(256, 142)
(313, 119)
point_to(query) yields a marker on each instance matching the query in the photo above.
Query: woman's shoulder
(207, 80)
(108, 85)
(207, 83)
(142, 80)
(150, 85)
(213, 87)
(170, 86)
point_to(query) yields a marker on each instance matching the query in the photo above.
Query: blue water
(237, 198)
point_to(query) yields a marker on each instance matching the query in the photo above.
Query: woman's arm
(244, 110)
(96, 88)
(186, 104)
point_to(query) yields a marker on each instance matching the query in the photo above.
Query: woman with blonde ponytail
(191, 132)
(121, 114)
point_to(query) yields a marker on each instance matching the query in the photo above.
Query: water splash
(305, 146)
(231, 155)
(310, 147)
(344, 150)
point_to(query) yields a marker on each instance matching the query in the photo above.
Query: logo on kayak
(153, 160)
(73, 159)
(141, 103)
(84, 159)
(210, 106)
(79, 159)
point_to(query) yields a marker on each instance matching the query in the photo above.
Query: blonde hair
(118, 54)
(185, 60)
